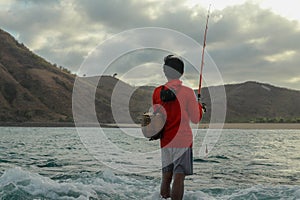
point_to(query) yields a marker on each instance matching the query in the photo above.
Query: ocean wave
(16, 183)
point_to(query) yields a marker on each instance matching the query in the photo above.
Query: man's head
(173, 67)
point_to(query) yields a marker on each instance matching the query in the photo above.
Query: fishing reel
(203, 107)
(202, 104)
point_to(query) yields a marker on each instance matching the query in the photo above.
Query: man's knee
(167, 177)
(179, 177)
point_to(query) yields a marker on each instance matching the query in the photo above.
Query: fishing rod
(201, 69)
(203, 51)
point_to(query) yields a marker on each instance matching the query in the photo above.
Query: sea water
(56, 163)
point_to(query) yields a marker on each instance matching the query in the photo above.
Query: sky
(247, 40)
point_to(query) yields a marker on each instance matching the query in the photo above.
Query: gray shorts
(177, 160)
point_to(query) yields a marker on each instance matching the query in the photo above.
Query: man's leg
(165, 190)
(178, 186)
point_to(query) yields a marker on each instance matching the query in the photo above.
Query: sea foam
(17, 183)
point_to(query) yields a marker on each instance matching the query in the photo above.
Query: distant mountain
(34, 90)
(115, 100)
(251, 102)
(258, 102)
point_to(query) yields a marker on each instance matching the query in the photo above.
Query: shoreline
(201, 126)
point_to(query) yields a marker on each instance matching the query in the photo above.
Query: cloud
(114, 14)
(258, 45)
(245, 41)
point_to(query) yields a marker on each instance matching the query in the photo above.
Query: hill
(258, 102)
(115, 100)
(34, 90)
(31, 89)
(251, 102)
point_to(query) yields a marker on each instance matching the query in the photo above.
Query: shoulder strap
(167, 95)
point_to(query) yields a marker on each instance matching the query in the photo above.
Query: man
(177, 139)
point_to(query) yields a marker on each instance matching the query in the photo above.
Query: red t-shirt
(179, 113)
